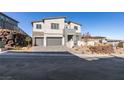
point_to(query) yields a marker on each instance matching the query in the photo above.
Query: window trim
(76, 27)
(38, 26)
(55, 26)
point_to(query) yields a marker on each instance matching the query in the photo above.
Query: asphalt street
(58, 66)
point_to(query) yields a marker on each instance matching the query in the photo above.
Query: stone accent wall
(11, 38)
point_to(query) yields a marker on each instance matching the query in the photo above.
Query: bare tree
(86, 37)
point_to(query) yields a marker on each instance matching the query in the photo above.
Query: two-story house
(55, 31)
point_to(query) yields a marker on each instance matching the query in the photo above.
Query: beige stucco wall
(58, 21)
(38, 30)
(72, 27)
(48, 32)
(46, 26)
(37, 33)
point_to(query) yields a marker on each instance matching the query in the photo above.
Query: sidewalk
(118, 55)
(91, 57)
(2, 52)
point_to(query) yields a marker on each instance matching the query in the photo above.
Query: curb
(3, 52)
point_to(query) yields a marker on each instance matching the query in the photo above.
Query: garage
(39, 41)
(54, 41)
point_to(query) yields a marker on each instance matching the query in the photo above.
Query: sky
(108, 24)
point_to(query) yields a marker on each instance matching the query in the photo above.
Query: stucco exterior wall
(48, 32)
(46, 26)
(72, 27)
(58, 21)
(38, 30)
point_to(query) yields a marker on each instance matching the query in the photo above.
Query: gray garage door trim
(54, 41)
(39, 41)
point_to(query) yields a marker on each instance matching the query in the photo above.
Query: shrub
(28, 40)
(103, 49)
(17, 48)
(1, 44)
(120, 45)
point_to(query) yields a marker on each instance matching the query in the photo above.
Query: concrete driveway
(49, 49)
(58, 66)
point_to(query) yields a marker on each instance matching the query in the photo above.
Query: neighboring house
(56, 31)
(113, 42)
(121, 44)
(92, 40)
(10, 33)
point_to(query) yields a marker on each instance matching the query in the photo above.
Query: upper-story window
(76, 27)
(66, 27)
(54, 26)
(38, 26)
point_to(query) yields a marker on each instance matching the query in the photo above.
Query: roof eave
(75, 23)
(50, 18)
(9, 17)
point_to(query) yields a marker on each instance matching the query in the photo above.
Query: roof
(111, 40)
(36, 21)
(9, 17)
(48, 18)
(95, 37)
(74, 22)
(59, 17)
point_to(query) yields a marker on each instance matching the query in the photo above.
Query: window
(70, 37)
(54, 26)
(77, 37)
(38, 26)
(66, 27)
(75, 27)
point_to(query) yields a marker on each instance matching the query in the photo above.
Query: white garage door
(54, 41)
(39, 41)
